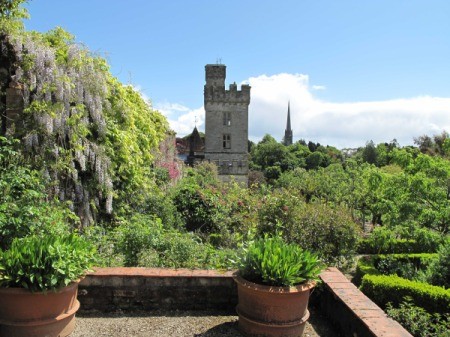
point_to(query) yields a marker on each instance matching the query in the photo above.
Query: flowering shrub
(92, 136)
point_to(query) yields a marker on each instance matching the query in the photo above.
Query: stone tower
(226, 125)
(288, 132)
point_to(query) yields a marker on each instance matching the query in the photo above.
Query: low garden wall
(110, 289)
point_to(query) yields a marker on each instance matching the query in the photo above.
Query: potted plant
(274, 282)
(38, 284)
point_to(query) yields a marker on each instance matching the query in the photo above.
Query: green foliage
(24, 208)
(134, 235)
(392, 246)
(420, 193)
(201, 209)
(45, 263)
(369, 154)
(401, 239)
(223, 214)
(365, 265)
(316, 160)
(422, 267)
(435, 145)
(438, 272)
(11, 8)
(418, 321)
(271, 261)
(409, 266)
(94, 137)
(328, 231)
(143, 241)
(383, 289)
(279, 209)
(181, 251)
(11, 14)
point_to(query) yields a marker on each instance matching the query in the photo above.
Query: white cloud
(169, 109)
(342, 125)
(319, 87)
(182, 119)
(348, 124)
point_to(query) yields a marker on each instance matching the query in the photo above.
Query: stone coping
(157, 272)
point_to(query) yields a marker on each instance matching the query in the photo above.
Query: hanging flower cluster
(73, 108)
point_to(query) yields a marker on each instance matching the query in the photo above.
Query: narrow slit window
(227, 141)
(227, 118)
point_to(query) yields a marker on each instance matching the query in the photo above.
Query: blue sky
(353, 70)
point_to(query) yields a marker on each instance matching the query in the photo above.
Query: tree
(269, 154)
(369, 154)
(315, 160)
(434, 145)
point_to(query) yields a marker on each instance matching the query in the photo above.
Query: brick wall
(352, 311)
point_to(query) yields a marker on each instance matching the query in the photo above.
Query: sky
(352, 70)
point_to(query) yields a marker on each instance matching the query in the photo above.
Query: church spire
(288, 131)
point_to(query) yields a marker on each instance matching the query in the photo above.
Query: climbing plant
(93, 137)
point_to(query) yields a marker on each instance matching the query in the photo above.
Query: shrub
(328, 231)
(438, 272)
(409, 266)
(45, 263)
(279, 210)
(418, 321)
(271, 261)
(135, 235)
(24, 208)
(182, 250)
(364, 266)
(400, 239)
(201, 208)
(143, 241)
(390, 246)
(383, 289)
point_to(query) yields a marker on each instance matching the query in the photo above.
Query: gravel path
(176, 324)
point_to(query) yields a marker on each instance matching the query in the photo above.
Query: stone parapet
(110, 289)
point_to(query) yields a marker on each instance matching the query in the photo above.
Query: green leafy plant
(438, 272)
(418, 321)
(45, 263)
(409, 266)
(271, 261)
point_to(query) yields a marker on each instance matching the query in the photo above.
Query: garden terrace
(195, 300)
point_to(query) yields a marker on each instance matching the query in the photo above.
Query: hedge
(397, 246)
(421, 260)
(383, 289)
(364, 266)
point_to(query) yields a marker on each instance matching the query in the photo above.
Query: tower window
(226, 141)
(227, 118)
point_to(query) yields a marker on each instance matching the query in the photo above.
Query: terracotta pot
(27, 314)
(266, 311)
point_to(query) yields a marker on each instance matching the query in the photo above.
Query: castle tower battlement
(215, 87)
(226, 124)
